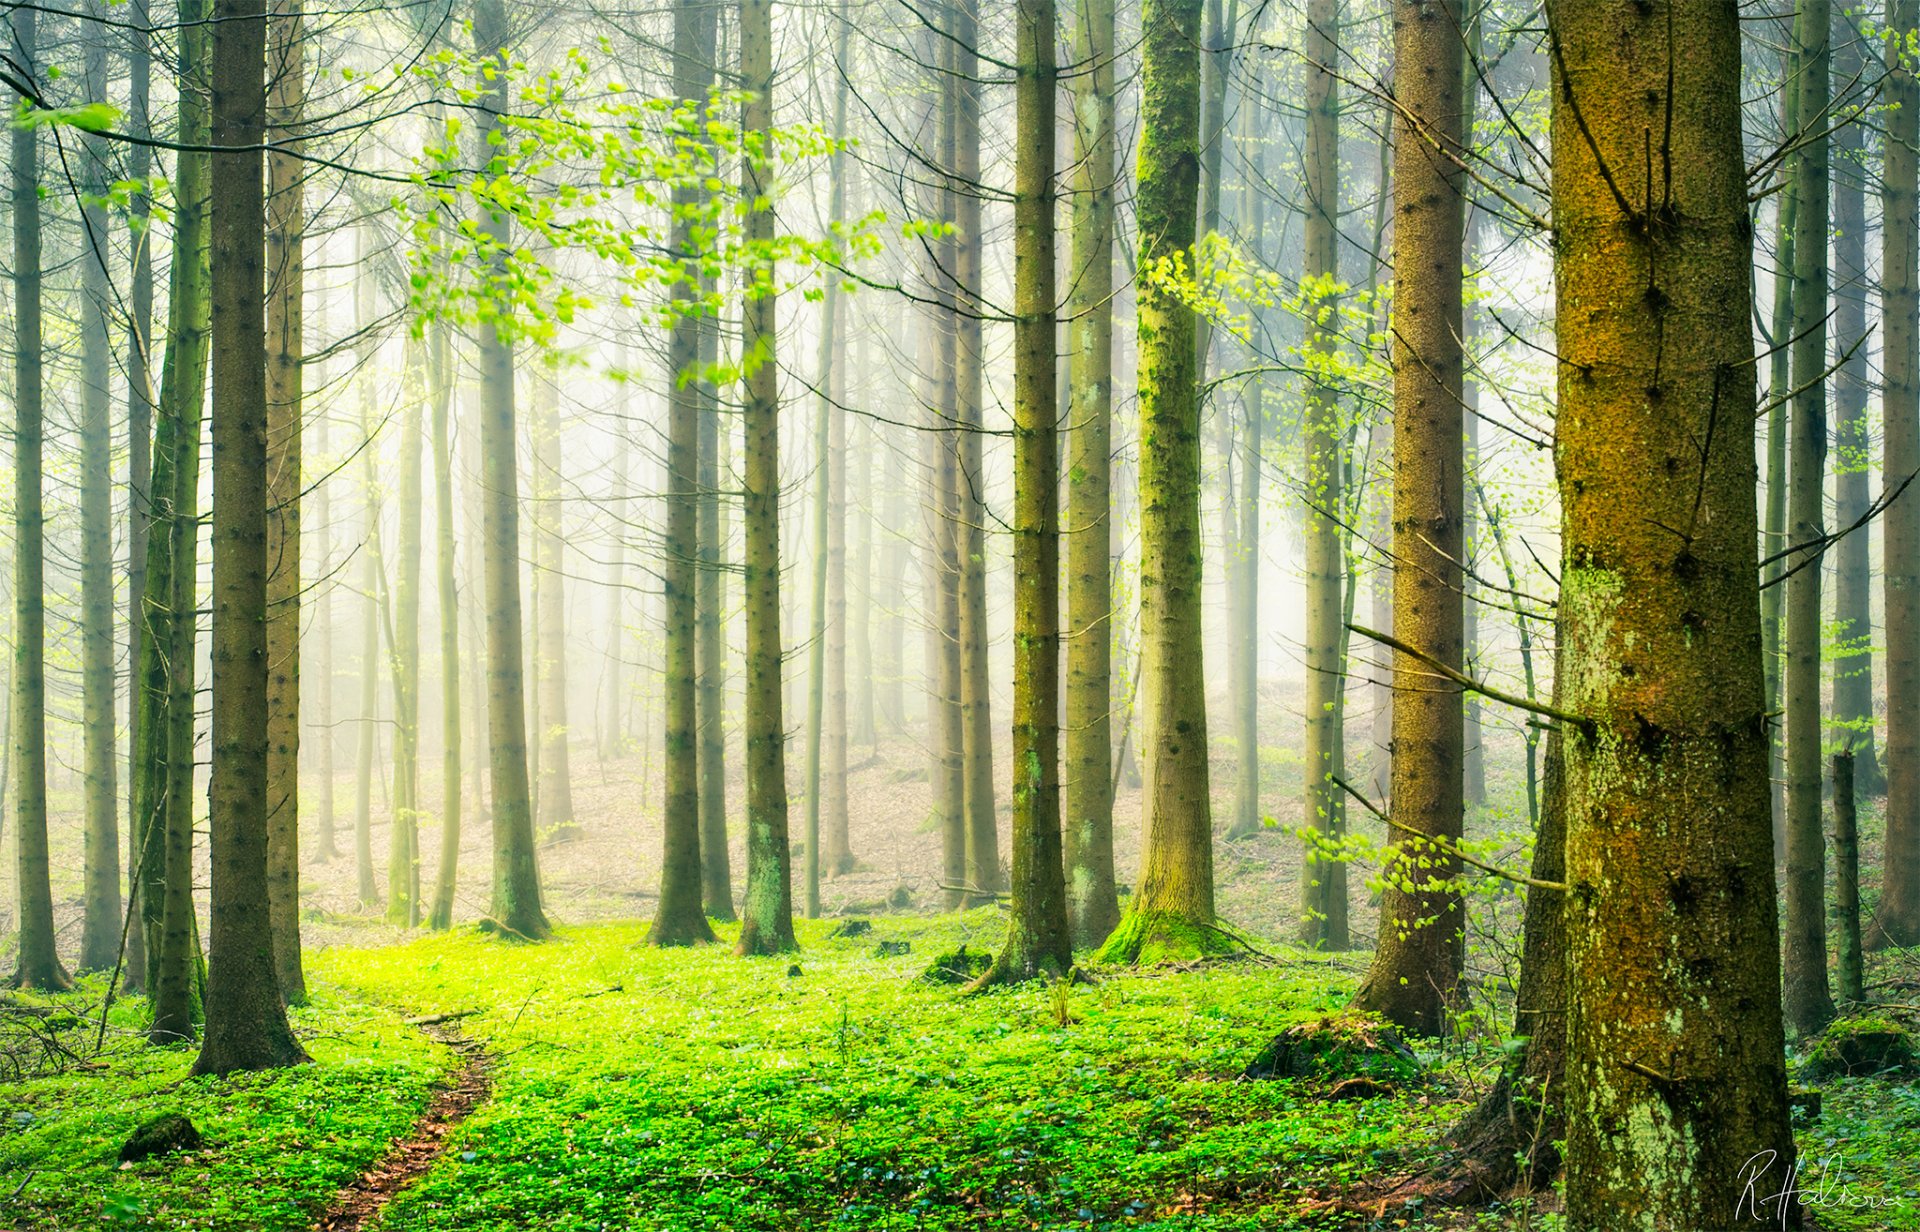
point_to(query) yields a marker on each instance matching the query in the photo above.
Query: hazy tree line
(433, 401)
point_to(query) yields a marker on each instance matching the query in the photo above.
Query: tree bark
(403, 647)
(1092, 899)
(39, 964)
(440, 366)
(101, 918)
(371, 580)
(516, 909)
(767, 926)
(1809, 1002)
(1897, 922)
(1418, 957)
(246, 1027)
(286, 315)
(1676, 1074)
(1172, 915)
(554, 799)
(139, 365)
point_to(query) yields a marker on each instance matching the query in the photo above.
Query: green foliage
(278, 1146)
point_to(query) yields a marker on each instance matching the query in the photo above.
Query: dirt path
(359, 1205)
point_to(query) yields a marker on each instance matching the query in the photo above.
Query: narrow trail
(358, 1205)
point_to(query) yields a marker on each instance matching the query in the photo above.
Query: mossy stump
(162, 1135)
(1359, 1055)
(1862, 1044)
(1154, 938)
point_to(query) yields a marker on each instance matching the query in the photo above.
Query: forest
(733, 615)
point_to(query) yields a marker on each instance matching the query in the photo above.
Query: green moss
(1150, 938)
(1862, 1044)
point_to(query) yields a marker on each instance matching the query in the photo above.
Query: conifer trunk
(139, 366)
(403, 636)
(554, 799)
(1676, 1075)
(1419, 953)
(440, 367)
(767, 923)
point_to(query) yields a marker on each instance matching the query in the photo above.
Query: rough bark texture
(139, 365)
(679, 919)
(1898, 920)
(1846, 889)
(1038, 940)
(1676, 1077)
(286, 285)
(246, 1025)
(39, 965)
(767, 921)
(1172, 916)
(1323, 894)
(516, 908)
(163, 737)
(1808, 1000)
(1087, 794)
(1417, 958)
(101, 922)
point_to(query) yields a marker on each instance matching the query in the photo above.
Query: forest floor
(633, 1088)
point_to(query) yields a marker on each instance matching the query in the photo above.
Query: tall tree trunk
(1473, 785)
(1897, 922)
(371, 580)
(1809, 1002)
(970, 511)
(610, 719)
(1852, 442)
(1088, 791)
(246, 1018)
(440, 367)
(1324, 882)
(556, 822)
(516, 908)
(1846, 889)
(767, 926)
(716, 875)
(680, 920)
(1417, 959)
(1039, 942)
(39, 964)
(403, 646)
(1244, 617)
(139, 364)
(1780, 384)
(163, 739)
(1172, 915)
(1676, 1073)
(101, 919)
(326, 844)
(286, 285)
(859, 492)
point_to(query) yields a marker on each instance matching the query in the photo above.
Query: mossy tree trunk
(1172, 915)
(1418, 957)
(1676, 1074)
(1039, 942)
(767, 923)
(1897, 922)
(39, 964)
(1323, 895)
(246, 1024)
(164, 735)
(1809, 1001)
(516, 908)
(1087, 794)
(286, 317)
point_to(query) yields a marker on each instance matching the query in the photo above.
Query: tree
(1809, 1002)
(516, 909)
(163, 737)
(1038, 940)
(1676, 1076)
(680, 920)
(1087, 793)
(767, 921)
(403, 652)
(1324, 882)
(440, 368)
(1897, 922)
(1419, 956)
(101, 922)
(716, 875)
(39, 964)
(1172, 915)
(372, 578)
(286, 314)
(246, 1018)
(554, 798)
